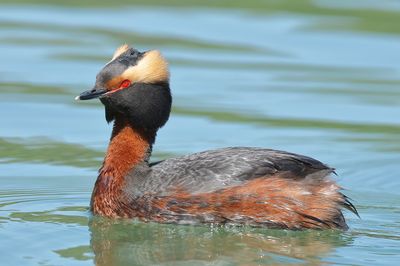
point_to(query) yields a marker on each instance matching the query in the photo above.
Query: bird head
(134, 85)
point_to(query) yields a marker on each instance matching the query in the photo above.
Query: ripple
(42, 150)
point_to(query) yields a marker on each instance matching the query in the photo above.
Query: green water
(320, 78)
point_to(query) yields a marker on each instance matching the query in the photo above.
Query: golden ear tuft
(120, 50)
(151, 68)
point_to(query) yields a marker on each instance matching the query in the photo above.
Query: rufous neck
(128, 147)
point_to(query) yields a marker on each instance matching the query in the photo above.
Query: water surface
(319, 78)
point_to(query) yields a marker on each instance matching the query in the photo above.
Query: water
(319, 78)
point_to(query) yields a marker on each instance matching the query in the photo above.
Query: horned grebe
(236, 185)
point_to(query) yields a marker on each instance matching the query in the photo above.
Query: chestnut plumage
(239, 185)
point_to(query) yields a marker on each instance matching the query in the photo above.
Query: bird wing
(216, 169)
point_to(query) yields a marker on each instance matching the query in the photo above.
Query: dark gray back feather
(215, 169)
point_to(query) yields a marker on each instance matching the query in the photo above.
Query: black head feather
(146, 106)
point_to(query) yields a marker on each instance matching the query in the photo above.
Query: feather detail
(120, 50)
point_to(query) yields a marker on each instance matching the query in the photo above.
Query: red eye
(125, 84)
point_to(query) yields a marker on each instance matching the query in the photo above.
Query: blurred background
(316, 77)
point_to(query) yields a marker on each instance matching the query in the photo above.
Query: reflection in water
(123, 242)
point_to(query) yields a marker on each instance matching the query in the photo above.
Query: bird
(251, 186)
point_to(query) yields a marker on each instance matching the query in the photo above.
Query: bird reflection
(123, 242)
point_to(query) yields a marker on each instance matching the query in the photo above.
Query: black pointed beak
(91, 94)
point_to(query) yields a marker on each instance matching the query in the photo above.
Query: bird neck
(128, 147)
